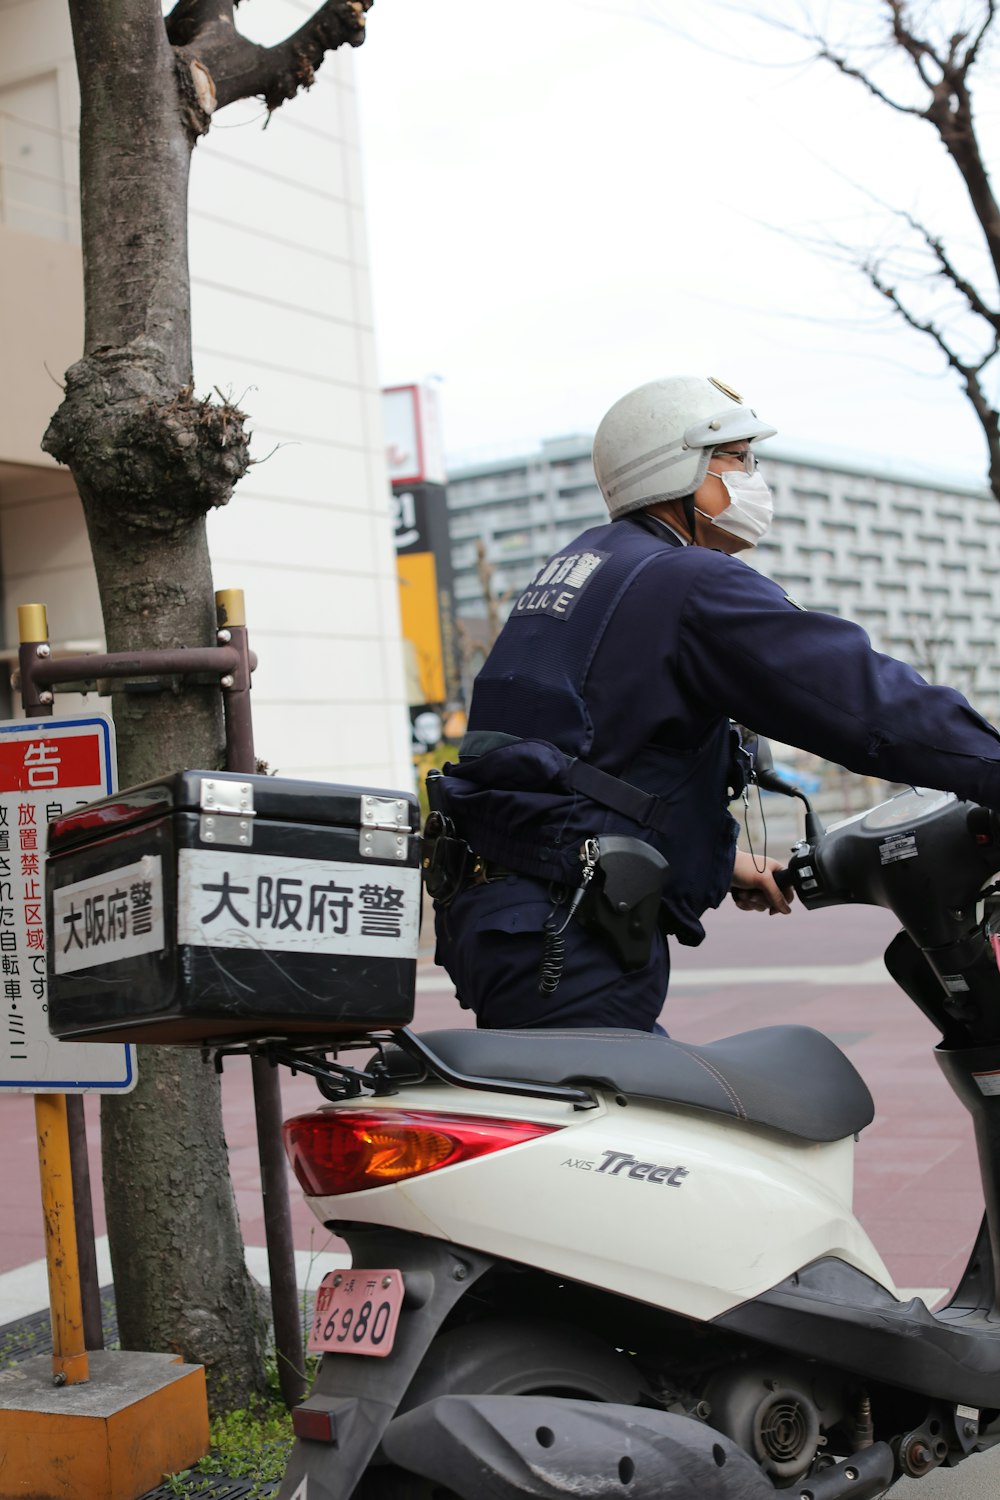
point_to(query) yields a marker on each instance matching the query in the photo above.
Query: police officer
(601, 738)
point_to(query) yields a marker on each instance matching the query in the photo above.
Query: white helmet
(656, 442)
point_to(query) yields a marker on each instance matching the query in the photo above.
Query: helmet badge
(726, 390)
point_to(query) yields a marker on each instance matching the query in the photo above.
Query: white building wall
(282, 322)
(44, 552)
(282, 306)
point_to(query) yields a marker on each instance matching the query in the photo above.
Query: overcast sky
(569, 197)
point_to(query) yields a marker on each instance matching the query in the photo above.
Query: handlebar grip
(784, 880)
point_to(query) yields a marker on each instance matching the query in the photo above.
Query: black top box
(212, 907)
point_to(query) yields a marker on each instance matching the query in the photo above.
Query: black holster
(622, 901)
(445, 860)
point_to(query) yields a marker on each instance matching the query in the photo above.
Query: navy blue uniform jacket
(633, 653)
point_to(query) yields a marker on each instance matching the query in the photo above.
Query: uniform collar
(656, 527)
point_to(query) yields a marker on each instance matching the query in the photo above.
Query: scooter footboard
(358, 1395)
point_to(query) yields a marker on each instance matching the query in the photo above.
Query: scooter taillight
(344, 1151)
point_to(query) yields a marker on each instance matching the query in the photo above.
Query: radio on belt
(211, 907)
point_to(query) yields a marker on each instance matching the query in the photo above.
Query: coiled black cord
(554, 950)
(553, 957)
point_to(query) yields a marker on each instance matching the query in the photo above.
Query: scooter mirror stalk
(770, 780)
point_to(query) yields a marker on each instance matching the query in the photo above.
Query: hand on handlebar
(755, 889)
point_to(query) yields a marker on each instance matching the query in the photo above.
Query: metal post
(240, 757)
(83, 1215)
(33, 634)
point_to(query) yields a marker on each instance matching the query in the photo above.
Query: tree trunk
(181, 1283)
(149, 461)
(177, 1252)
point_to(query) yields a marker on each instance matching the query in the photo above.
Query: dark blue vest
(585, 667)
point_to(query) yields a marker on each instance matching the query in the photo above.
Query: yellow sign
(421, 617)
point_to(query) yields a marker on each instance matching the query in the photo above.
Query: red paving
(917, 1183)
(917, 1186)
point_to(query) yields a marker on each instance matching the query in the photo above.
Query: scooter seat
(790, 1078)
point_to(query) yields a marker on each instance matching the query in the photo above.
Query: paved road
(917, 1189)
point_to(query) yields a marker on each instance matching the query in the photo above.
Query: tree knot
(150, 458)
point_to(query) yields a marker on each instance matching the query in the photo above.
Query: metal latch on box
(226, 813)
(385, 827)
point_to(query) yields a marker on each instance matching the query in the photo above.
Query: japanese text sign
(232, 899)
(236, 900)
(47, 768)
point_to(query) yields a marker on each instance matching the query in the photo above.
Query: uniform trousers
(491, 940)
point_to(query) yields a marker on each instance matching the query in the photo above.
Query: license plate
(356, 1312)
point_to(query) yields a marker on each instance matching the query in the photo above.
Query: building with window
(282, 320)
(915, 561)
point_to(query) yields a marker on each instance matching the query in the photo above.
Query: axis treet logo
(621, 1163)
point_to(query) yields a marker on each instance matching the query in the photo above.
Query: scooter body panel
(782, 1329)
(636, 1197)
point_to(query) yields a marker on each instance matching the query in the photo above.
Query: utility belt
(618, 897)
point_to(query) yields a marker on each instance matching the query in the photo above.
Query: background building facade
(916, 562)
(282, 323)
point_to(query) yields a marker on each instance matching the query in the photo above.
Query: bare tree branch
(950, 111)
(843, 66)
(943, 68)
(988, 415)
(241, 69)
(934, 243)
(921, 325)
(916, 47)
(973, 50)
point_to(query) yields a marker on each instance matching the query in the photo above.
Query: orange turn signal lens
(345, 1151)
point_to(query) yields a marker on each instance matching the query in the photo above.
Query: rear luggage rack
(336, 1081)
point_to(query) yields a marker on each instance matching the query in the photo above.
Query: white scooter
(610, 1264)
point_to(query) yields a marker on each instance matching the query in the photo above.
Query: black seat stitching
(729, 1090)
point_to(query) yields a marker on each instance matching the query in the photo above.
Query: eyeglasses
(748, 459)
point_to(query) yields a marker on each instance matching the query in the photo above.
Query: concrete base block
(139, 1416)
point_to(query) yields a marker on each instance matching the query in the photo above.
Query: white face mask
(750, 510)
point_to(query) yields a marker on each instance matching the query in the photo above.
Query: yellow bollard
(230, 608)
(69, 1353)
(70, 1365)
(32, 622)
